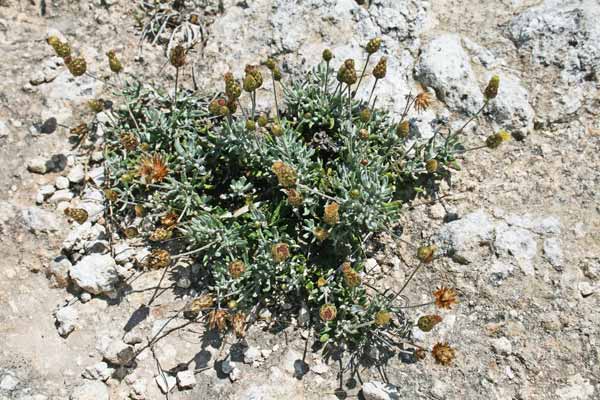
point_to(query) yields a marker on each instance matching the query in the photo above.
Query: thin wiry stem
(176, 84)
(362, 75)
(372, 91)
(275, 96)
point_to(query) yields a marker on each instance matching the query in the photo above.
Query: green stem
(362, 75)
(325, 86)
(174, 105)
(275, 95)
(372, 91)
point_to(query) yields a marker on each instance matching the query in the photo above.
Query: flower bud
(373, 45)
(365, 115)
(427, 322)
(491, 91)
(380, 69)
(328, 312)
(327, 55)
(431, 165)
(177, 56)
(77, 66)
(426, 253)
(403, 129)
(382, 318)
(113, 62)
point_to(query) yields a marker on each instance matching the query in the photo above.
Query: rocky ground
(520, 226)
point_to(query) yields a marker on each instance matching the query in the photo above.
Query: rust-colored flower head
(202, 303)
(327, 55)
(217, 319)
(77, 214)
(169, 219)
(443, 354)
(286, 175)
(491, 91)
(262, 120)
(445, 297)
(403, 129)
(177, 56)
(373, 45)
(236, 268)
(131, 232)
(111, 195)
(494, 141)
(158, 258)
(253, 78)
(294, 197)
(250, 125)
(276, 130)
(420, 354)
(160, 234)
(380, 69)
(328, 312)
(77, 66)
(238, 323)
(96, 105)
(80, 130)
(364, 162)
(382, 318)
(427, 322)
(365, 115)
(321, 282)
(422, 101)
(129, 141)
(321, 234)
(351, 277)
(431, 165)
(113, 62)
(425, 253)
(153, 169)
(331, 214)
(280, 252)
(61, 49)
(140, 211)
(232, 87)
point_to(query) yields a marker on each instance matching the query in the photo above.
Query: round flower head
(276, 130)
(427, 322)
(160, 234)
(328, 312)
(382, 318)
(177, 56)
(351, 277)
(110, 195)
(286, 175)
(61, 49)
(327, 55)
(77, 66)
(443, 354)
(77, 214)
(294, 197)
(96, 105)
(262, 120)
(365, 115)
(169, 219)
(494, 141)
(431, 165)
(250, 125)
(253, 79)
(320, 233)
(277, 74)
(280, 252)
(236, 268)
(423, 101)
(403, 129)
(380, 69)
(113, 62)
(491, 91)
(158, 258)
(202, 303)
(53, 40)
(347, 72)
(270, 63)
(331, 214)
(373, 45)
(445, 297)
(218, 107)
(363, 134)
(153, 169)
(426, 253)
(129, 141)
(232, 87)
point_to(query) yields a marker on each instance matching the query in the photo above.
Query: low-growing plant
(277, 205)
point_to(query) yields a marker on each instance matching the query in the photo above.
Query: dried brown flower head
(160, 234)
(380, 69)
(443, 354)
(129, 141)
(328, 312)
(445, 297)
(347, 72)
(153, 169)
(77, 214)
(351, 277)
(113, 62)
(131, 232)
(403, 129)
(177, 56)
(491, 91)
(286, 175)
(139, 210)
(77, 66)
(111, 195)
(294, 197)
(217, 319)
(158, 258)
(373, 45)
(425, 253)
(238, 323)
(420, 354)
(494, 141)
(427, 322)
(236, 268)
(202, 303)
(280, 252)
(169, 219)
(423, 101)
(382, 318)
(80, 130)
(331, 214)
(321, 234)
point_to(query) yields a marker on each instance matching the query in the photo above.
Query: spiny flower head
(425, 253)
(169, 219)
(491, 91)
(443, 354)
(403, 129)
(160, 234)
(382, 318)
(280, 252)
(218, 107)
(373, 45)
(217, 319)
(331, 214)
(347, 72)
(286, 175)
(431, 165)
(177, 56)
(236, 268)
(327, 55)
(77, 66)
(232, 87)
(128, 140)
(77, 214)
(351, 277)
(158, 258)
(96, 105)
(422, 101)
(294, 197)
(153, 168)
(238, 323)
(380, 69)
(320, 233)
(427, 322)
(494, 141)
(113, 62)
(445, 297)
(328, 312)
(253, 79)
(365, 115)
(202, 303)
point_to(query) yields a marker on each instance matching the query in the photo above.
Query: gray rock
(445, 66)
(97, 175)
(39, 165)
(466, 233)
(90, 391)
(133, 337)
(166, 353)
(9, 382)
(375, 390)
(553, 252)
(99, 371)
(95, 210)
(77, 174)
(518, 243)
(80, 234)
(235, 375)
(95, 273)
(38, 220)
(4, 131)
(123, 252)
(60, 196)
(303, 315)
(46, 191)
(577, 388)
(320, 368)
(502, 346)
(511, 109)
(84, 297)
(227, 366)
(66, 318)
(186, 379)
(118, 353)
(251, 354)
(58, 269)
(166, 382)
(62, 182)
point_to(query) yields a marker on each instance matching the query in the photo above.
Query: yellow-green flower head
(277, 74)
(232, 87)
(427, 322)
(250, 125)
(382, 318)
(253, 79)
(113, 62)
(347, 72)
(491, 91)
(177, 56)
(270, 63)
(62, 49)
(403, 129)
(432, 165)
(327, 55)
(262, 120)
(96, 105)
(321, 234)
(276, 130)
(494, 141)
(331, 214)
(321, 282)
(373, 45)
(426, 253)
(365, 115)
(286, 175)
(380, 69)
(327, 312)
(53, 40)
(218, 107)
(294, 197)
(77, 66)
